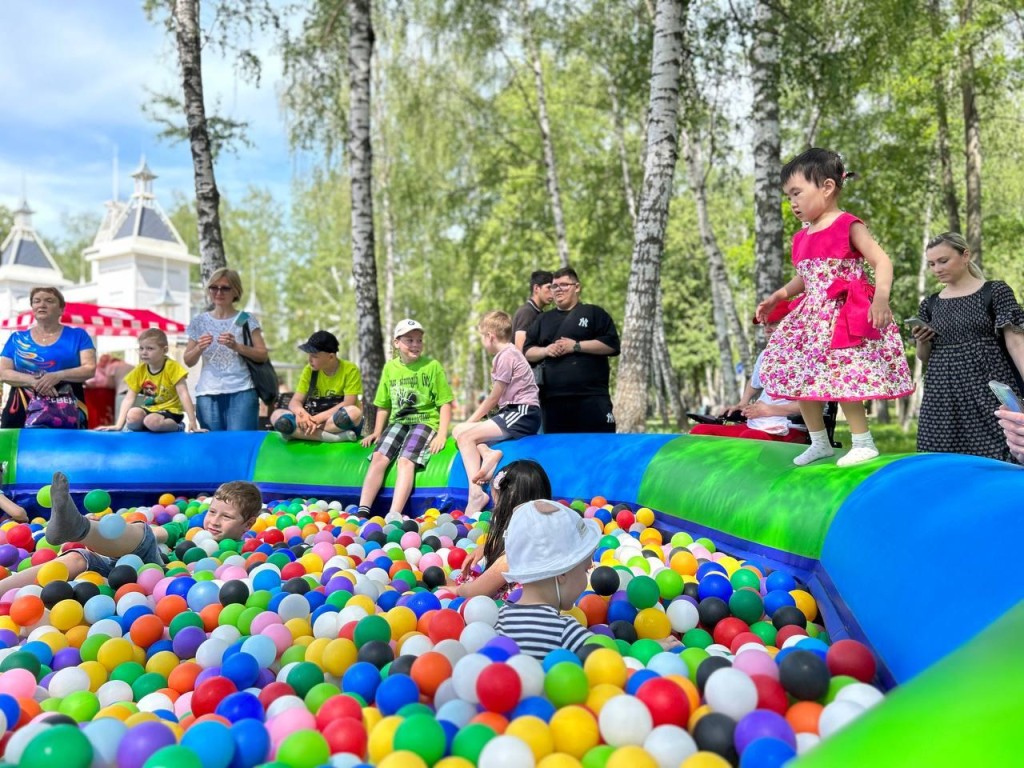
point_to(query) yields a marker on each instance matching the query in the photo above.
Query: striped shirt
(539, 629)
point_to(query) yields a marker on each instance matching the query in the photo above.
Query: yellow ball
(402, 621)
(684, 563)
(364, 602)
(141, 717)
(338, 656)
(731, 564)
(403, 758)
(315, 651)
(705, 760)
(55, 640)
(382, 738)
(605, 666)
(165, 499)
(645, 515)
(163, 663)
(574, 730)
(631, 757)
(66, 614)
(652, 624)
(696, 715)
(453, 762)
(807, 605)
(650, 536)
(116, 711)
(114, 652)
(299, 628)
(371, 718)
(6, 623)
(312, 563)
(55, 570)
(535, 733)
(559, 760)
(600, 694)
(577, 613)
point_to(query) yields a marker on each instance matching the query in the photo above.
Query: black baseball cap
(320, 341)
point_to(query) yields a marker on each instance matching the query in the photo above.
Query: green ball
(260, 599)
(97, 501)
(22, 660)
(303, 677)
(744, 577)
(603, 640)
(692, 657)
(230, 615)
(339, 599)
(670, 584)
(62, 745)
(697, 638)
(415, 708)
(470, 741)
(408, 577)
(194, 555)
(147, 684)
(708, 544)
(423, 735)
(566, 683)
(644, 650)
(43, 497)
(182, 620)
(91, 647)
(681, 539)
(295, 654)
(80, 706)
(304, 749)
(597, 757)
(245, 618)
(128, 672)
(835, 685)
(320, 693)
(643, 592)
(284, 521)
(747, 605)
(765, 630)
(174, 756)
(50, 705)
(371, 628)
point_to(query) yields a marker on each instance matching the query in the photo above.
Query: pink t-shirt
(511, 369)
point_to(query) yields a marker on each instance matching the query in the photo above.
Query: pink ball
(446, 541)
(19, 683)
(183, 704)
(429, 559)
(324, 550)
(699, 551)
(288, 722)
(281, 636)
(292, 531)
(160, 590)
(149, 579)
(590, 511)
(756, 663)
(263, 621)
(326, 538)
(410, 539)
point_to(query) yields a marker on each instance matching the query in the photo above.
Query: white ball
(378, 575)
(625, 720)
(417, 645)
(109, 627)
(70, 680)
(452, 650)
(668, 663)
(717, 649)
(531, 674)
(227, 633)
(480, 608)
(446, 693)
(806, 741)
(326, 626)
(154, 701)
(836, 715)
(682, 615)
(114, 692)
(476, 635)
(670, 745)
(281, 703)
(860, 693)
(506, 752)
(211, 652)
(293, 607)
(465, 675)
(731, 692)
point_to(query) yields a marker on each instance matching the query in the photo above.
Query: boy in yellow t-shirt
(161, 381)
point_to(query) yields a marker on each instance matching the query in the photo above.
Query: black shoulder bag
(264, 377)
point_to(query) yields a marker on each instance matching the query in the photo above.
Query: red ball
(348, 631)
(787, 632)
(210, 693)
(41, 556)
(345, 735)
(625, 518)
(272, 536)
(446, 624)
(274, 691)
(250, 544)
(741, 639)
(293, 570)
(499, 687)
(456, 558)
(728, 628)
(336, 708)
(21, 536)
(848, 657)
(770, 694)
(666, 701)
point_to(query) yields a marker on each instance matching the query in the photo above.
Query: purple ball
(67, 657)
(762, 724)
(265, 678)
(8, 638)
(8, 554)
(141, 741)
(187, 642)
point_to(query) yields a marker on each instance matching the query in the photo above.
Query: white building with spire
(25, 262)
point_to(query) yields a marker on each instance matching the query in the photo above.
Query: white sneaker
(857, 456)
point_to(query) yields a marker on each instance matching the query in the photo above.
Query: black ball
(235, 591)
(709, 666)
(433, 542)
(56, 591)
(789, 614)
(298, 549)
(434, 577)
(604, 580)
(55, 718)
(181, 548)
(623, 630)
(712, 610)
(619, 507)
(296, 586)
(377, 653)
(121, 575)
(714, 733)
(402, 665)
(804, 675)
(586, 650)
(410, 525)
(690, 589)
(85, 591)
(378, 537)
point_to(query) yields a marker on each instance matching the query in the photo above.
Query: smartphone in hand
(914, 322)
(1005, 395)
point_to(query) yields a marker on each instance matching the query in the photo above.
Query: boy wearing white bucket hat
(549, 548)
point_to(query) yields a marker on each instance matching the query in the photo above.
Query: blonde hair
(55, 292)
(958, 243)
(155, 334)
(498, 323)
(231, 276)
(243, 496)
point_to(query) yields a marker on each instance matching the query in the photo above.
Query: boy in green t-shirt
(161, 382)
(414, 409)
(325, 406)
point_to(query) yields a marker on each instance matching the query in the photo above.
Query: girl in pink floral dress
(839, 342)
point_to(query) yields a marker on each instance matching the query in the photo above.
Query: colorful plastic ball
(730, 692)
(836, 716)
(669, 745)
(666, 701)
(345, 734)
(141, 741)
(625, 720)
(574, 731)
(566, 683)
(849, 657)
(506, 752)
(395, 692)
(422, 735)
(362, 678)
(304, 749)
(804, 675)
(767, 753)
(714, 733)
(604, 580)
(62, 745)
(499, 688)
(643, 592)
(652, 624)
(252, 743)
(96, 501)
(212, 742)
(534, 732)
(111, 526)
(762, 724)
(43, 497)
(175, 756)
(605, 666)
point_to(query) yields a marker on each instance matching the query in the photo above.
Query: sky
(74, 75)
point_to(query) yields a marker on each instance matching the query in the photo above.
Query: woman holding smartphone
(972, 333)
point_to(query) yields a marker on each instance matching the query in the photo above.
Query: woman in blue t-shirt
(39, 361)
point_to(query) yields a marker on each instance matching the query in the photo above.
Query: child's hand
(766, 306)
(369, 440)
(879, 315)
(474, 557)
(670, 642)
(194, 427)
(437, 444)
(110, 428)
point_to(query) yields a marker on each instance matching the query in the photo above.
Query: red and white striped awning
(101, 321)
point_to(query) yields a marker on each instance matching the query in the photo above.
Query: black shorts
(175, 417)
(518, 421)
(570, 414)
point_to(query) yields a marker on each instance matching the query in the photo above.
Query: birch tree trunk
(186, 33)
(949, 196)
(972, 130)
(550, 166)
(387, 213)
(668, 374)
(914, 405)
(360, 159)
(649, 235)
(765, 65)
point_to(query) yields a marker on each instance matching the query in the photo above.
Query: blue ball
(638, 678)
(780, 580)
(537, 706)
(766, 753)
(40, 650)
(395, 692)
(241, 706)
(421, 602)
(621, 610)
(252, 743)
(209, 740)
(775, 599)
(241, 669)
(99, 607)
(559, 655)
(10, 708)
(387, 600)
(180, 586)
(715, 585)
(705, 568)
(361, 678)
(202, 594)
(158, 646)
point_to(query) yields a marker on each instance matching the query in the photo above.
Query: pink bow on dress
(852, 323)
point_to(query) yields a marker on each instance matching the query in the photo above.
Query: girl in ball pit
(234, 507)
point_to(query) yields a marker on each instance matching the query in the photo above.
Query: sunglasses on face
(220, 288)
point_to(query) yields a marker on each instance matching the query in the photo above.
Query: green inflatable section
(750, 489)
(298, 462)
(9, 448)
(958, 712)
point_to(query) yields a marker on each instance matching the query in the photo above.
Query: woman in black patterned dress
(962, 345)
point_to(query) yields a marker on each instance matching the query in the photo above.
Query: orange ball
(429, 671)
(183, 677)
(598, 501)
(166, 499)
(683, 563)
(595, 608)
(804, 715)
(209, 615)
(170, 606)
(492, 720)
(127, 589)
(146, 630)
(27, 610)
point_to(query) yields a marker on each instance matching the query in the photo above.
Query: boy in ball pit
(549, 549)
(233, 509)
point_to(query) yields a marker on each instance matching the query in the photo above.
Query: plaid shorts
(148, 551)
(410, 441)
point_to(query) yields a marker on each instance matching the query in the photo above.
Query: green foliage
(79, 231)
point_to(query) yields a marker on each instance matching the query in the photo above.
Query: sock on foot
(363, 512)
(864, 440)
(818, 449)
(329, 437)
(66, 521)
(863, 450)
(342, 420)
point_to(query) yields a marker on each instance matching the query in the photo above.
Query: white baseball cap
(404, 326)
(546, 539)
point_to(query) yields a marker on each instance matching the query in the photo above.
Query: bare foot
(477, 501)
(491, 460)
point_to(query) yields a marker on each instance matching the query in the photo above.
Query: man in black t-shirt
(540, 297)
(573, 342)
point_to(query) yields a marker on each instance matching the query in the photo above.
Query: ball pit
(320, 635)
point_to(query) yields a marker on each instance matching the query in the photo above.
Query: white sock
(818, 449)
(863, 449)
(864, 440)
